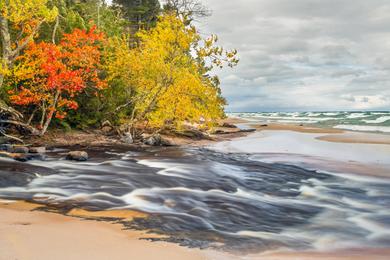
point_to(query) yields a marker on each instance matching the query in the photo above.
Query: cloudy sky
(304, 54)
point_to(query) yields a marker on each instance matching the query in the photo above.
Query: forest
(138, 64)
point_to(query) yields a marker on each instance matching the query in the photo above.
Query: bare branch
(189, 9)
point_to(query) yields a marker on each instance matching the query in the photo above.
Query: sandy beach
(30, 234)
(34, 235)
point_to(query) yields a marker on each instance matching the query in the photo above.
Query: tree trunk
(6, 46)
(50, 115)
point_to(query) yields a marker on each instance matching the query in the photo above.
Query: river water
(204, 198)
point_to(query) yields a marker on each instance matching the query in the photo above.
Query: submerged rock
(77, 156)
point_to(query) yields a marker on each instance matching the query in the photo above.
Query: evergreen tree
(142, 14)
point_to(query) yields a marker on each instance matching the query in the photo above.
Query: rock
(154, 140)
(145, 136)
(247, 130)
(77, 156)
(221, 132)
(37, 150)
(107, 129)
(157, 140)
(6, 147)
(20, 149)
(21, 157)
(228, 125)
(265, 125)
(194, 134)
(127, 138)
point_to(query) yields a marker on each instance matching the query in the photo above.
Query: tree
(187, 9)
(168, 75)
(48, 77)
(140, 13)
(25, 17)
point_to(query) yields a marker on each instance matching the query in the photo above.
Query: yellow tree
(24, 17)
(169, 74)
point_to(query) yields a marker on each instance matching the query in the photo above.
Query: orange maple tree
(49, 76)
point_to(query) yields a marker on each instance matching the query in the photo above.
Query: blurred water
(204, 198)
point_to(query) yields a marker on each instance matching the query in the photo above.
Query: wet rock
(127, 138)
(228, 125)
(6, 147)
(77, 156)
(20, 149)
(36, 150)
(157, 140)
(247, 130)
(22, 157)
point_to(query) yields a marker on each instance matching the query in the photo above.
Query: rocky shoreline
(36, 147)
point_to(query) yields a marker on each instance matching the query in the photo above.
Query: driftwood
(11, 117)
(7, 110)
(25, 126)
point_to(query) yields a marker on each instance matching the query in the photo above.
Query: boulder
(157, 140)
(37, 150)
(77, 156)
(127, 138)
(20, 149)
(154, 140)
(228, 125)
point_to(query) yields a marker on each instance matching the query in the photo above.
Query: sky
(304, 55)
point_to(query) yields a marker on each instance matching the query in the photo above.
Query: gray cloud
(305, 54)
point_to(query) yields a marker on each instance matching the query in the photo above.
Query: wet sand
(35, 235)
(307, 146)
(356, 138)
(330, 134)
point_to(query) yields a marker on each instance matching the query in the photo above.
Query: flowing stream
(203, 198)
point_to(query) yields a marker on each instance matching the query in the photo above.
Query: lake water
(357, 121)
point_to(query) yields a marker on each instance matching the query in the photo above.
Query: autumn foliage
(58, 67)
(50, 76)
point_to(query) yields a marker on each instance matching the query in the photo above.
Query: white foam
(357, 115)
(379, 120)
(364, 128)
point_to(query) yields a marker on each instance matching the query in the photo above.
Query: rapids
(204, 198)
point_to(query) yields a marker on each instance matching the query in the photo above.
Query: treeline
(77, 64)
